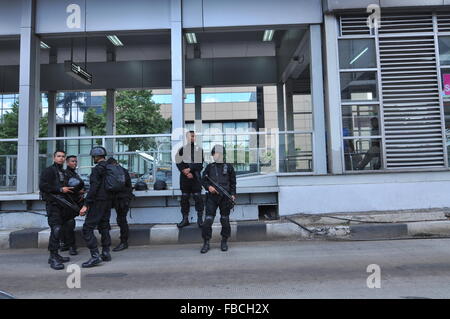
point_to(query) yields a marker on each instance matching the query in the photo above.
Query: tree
(136, 114)
(9, 129)
(68, 100)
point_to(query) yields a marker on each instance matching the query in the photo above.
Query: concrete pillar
(333, 97)
(29, 99)
(290, 138)
(281, 162)
(317, 99)
(110, 119)
(177, 59)
(51, 118)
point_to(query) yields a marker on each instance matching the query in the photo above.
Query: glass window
(360, 120)
(357, 54)
(358, 86)
(444, 50)
(362, 154)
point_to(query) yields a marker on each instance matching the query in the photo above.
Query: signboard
(77, 72)
(446, 84)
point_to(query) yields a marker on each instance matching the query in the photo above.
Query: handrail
(9, 140)
(163, 135)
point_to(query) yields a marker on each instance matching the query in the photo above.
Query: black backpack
(115, 178)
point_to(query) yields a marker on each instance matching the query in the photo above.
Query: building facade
(344, 100)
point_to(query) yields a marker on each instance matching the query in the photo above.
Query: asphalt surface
(296, 269)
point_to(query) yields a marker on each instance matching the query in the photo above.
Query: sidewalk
(367, 226)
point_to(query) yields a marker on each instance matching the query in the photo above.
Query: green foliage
(136, 114)
(9, 128)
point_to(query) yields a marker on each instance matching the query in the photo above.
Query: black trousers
(212, 203)
(98, 217)
(188, 187)
(122, 205)
(68, 233)
(55, 218)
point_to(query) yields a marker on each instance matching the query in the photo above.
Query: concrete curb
(241, 231)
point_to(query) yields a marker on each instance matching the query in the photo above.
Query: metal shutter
(353, 25)
(411, 110)
(410, 92)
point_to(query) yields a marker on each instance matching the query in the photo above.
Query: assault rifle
(65, 202)
(222, 191)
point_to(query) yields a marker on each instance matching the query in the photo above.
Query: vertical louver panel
(410, 93)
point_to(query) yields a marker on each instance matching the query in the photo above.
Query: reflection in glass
(362, 154)
(444, 50)
(358, 86)
(360, 120)
(357, 54)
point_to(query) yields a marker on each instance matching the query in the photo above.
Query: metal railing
(8, 164)
(150, 157)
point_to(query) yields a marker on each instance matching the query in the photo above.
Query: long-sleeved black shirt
(97, 190)
(216, 172)
(194, 161)
(51, 181)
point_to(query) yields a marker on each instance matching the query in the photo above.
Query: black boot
(54, 261)
(106, 256)
(223, 244)
(121, 246)
(205, 247)
(95, 259)
(73, 251)
(184, 221)
(58, 257)
(200, 219)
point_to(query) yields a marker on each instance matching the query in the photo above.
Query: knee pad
(56, 231)
(209, 220)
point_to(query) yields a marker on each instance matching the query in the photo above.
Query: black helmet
(75, 183)
(98, 151)
(159, 185)
(140, 186)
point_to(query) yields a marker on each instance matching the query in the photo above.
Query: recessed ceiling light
(191, 38)
(115, 40)
(44, 45)
(268, 35)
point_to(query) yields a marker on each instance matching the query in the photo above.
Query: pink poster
(447, 84)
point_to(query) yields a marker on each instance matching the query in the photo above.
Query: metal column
(110, 118)
(317, 99)
(281, 127)
(177, 58)
(333, 97)
(51, 117)
(29, 99)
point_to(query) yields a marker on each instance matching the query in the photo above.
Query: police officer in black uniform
(121, 203)
(75, 181)
(224, 175)
(52, 184)
(190, 164)
(97, 208)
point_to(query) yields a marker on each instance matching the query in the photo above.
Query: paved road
(305, 269)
